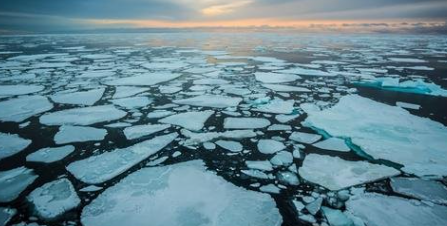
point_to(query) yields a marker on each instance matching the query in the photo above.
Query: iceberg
(386, 132)
(21, 108)
(193, 120)
(335, 173)
(50, 155)
(83, 116)
(245, 123)
(15, 181)
(103, 167)
(11, 144)
(184, 194)
(135, 132)
(213, 101)
(70, 134)
(89, 97)
(53, 199)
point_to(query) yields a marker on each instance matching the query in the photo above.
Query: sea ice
(89, 97)
(11, 144)
(21, 108)
(269, 77)
(286, 88)
(381, 210)
(276, 106)
(147, 79)
(14, 90)
(335, 173)
(428, 190)
(417, 86)
(245, 123)
(6, 214)
(103, 167)
(306, 72)
(138, 131)
(307, 138)
(266, 146)
(336, 217)
(54, 199)
(128, 91)
(282, 158)
(181, 194)
(229, 145)
(211, 101)
(387, 132)
(83, 116)
(333, 144)
(198, 138)
(193, 120)
(406, 60)
(408, 105)
(15, 181)
(70, 134)
(50, 155)
(132, 102)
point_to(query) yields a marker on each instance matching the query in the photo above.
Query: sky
(322, 15)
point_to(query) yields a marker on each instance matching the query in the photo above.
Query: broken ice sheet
(179, 194)
(54, 199)
(428, 190)
(21, 108)
(11, 144)
(70, 134)
(335, 173)
(268, 146)
(193, 120)
(387, 132)
(307, 138)
(103, 167)
(83, 116)
(15, 181)
(50, 154)
(132, 102)
(276, 106)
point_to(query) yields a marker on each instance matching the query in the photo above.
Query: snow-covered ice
(181, 194)
(333, 144)
(83, 116)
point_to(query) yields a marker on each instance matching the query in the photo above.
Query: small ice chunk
(214, 101)
(255, 173)
(269, 77)
(50, 155)
(288, 178)
(336, 217)
(268, 146)
(408, 105)
(282, 158)
(270, 188)
(103, 167)
(279, 127)
(15, 181)
(198, 138)
(135, 132)
(6, 214)
(307, 72)
(406, 60)
(194, 120)
(53, 199)
(90, 188)
(335, 173)
(259, 165)
(314, 206)
(179, 194)
(276, 106)
(428, 190)
(232, 146)
(333, 144)
(307, 138)
(132, 102)
(83, 116)
(70, 134)
(209, 146)
(159, 114)
(286, 118)
(245, 123)
(14, 90)
(21, 108)
(11, 144)
(89, 97)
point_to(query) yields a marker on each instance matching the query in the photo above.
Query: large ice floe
(50, 155)
(105, 166)
(189, 120)
(181, 194)
(214, 101)
(386, 132)
(83, 116)
(21, 108)
(381, 210)
(11, 144)
(89, 97)
(15, 181)
(70, 134)
(54, 199)
(427, 190)
(335, 173)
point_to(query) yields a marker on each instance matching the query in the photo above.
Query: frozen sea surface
(248, 128)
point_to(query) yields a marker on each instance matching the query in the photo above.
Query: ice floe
(11, 144)
(269, 77)
(83, 116)
(268, 146)
(417, 86)
(335, 173)
(89, 97)
(286, 88)
(127, 91)
(14, 90)
(189, 120)
(307, 138)
(427, 190)
(103, 167)
(135, 132)
(14, 181)
(147, 79)
(276, 106)
(180, 194)
(333, 144)
(245, 123)
(198, 138)
(230, 145)
(132, 102)
(282, 158)
(21, 108)
(387, 132)
(54, 199)
(50, 154)
(70, 134)
(210, 101)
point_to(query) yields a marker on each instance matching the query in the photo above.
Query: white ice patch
(229, 145)
(144, 80)
(14, 181)
(83, 116)
(13, 90)
(50, 155)
(387, 132)
(179, 195)
(270, 146)
(21, 108)
(335, 173)
(138, 131)
(406, 60)
(11, 144)
(53, 199)
(269, 77)
(381, 210)
(89, 97)
(70, 134)
(189, 120)
(307, 138)
(245, 123)
(103, 167)
(211, 101)
(417, 86)
(333, 144)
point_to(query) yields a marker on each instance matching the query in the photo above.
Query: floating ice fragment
(132, 102)
(53, 199)
(336, 217)
(276, 106)
(128, 91)
(406, 60)
(189, 120)
(21, 108)
(11, 144)
(198, 138)
(15, 181)
(288, 178)
(268, 146)
(14, 90)
(282, 158)
(335, 173)
(285, 88)
(211, 101)
(268, 77)
(82, 98)
(307, 138)
(306, 72)
(408, 105)
(83, 116)
(245, 123)
(333, 144)
(70, 134)
(432, 191)
(180, 194)
(286, 118)
(138, 131)
(229, 145)
(259, 165)
(144, 80)
(270, 188)
(417, 86)
(50, 155)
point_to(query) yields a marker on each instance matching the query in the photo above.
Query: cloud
(224, 8)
